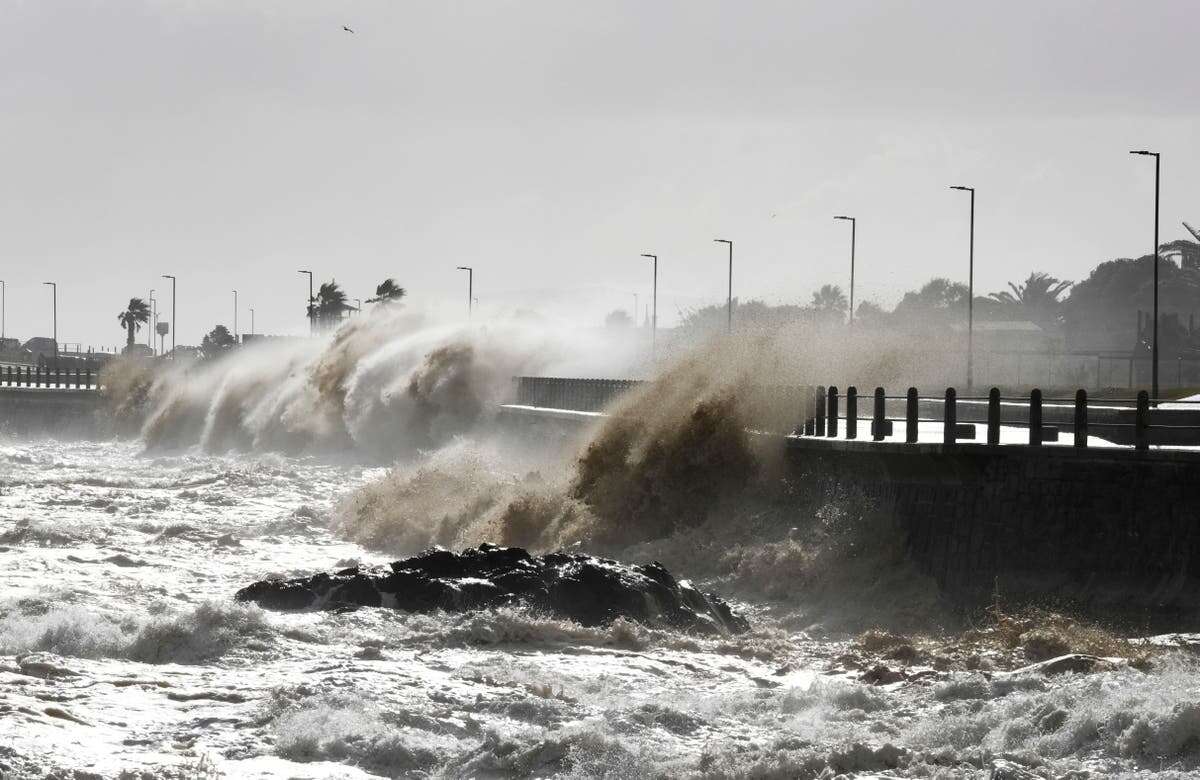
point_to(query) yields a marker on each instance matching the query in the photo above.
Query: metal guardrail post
(1035, 418)
(87, 376)
(831, 429)
(819, 413)
(880, 415)
(950, 416)
(911, 413)
(1081, 418)
(1141, 429)
(851, 412)
(993, 423)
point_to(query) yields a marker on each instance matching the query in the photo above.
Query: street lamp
(252, 330)
(3, 306)
(54, 293)
(235, 313)
(729, 299)
(311, 313)
(654, 319)
(470, 286)
(174, 322)
(970, 292)
(150, 330)
(1154, 255)
(853, 231)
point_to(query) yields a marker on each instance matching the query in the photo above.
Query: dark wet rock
(590, 591)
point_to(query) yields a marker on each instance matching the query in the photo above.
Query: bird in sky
(347, 29)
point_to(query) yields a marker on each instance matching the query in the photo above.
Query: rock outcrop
(590, 591)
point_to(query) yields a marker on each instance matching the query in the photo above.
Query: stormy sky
(547, 144)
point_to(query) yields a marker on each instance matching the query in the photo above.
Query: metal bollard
(877, 423)
(993, 423)
(851, 412)
(1081, 418)
(912, 411)
(1035, 418)
(950, 417)
(1141, 430)
(819, 414)
(831, 430)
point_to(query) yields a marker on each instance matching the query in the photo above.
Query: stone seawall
(1035, 523)
(59, 412)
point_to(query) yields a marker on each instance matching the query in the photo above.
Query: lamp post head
(1144, 152)
(842, 216)
(464, 268)
(652, 257)
(960, 187)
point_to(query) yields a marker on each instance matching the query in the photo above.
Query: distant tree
(830, 300)
(870, 313)
(1038, 298)
(331, 303)
(1101, 311)
(132, 319)
(217, 342)
(618, 318)
(387, 291)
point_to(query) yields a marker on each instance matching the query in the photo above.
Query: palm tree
(388, 291)
(132, 318)
(830, 300)
(1038, 298)
(331, 302)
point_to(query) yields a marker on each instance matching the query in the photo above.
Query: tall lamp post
(174, 322)
(252, 330)
(729, 298)
(1154, 255)
(654, 318)
(970, 292)
(311, 313)
(470, 286)
(3, 306)
(235, 319)
(853, 235)
(54, 298)
(150, 330)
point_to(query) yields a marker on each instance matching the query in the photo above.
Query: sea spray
(385, 385)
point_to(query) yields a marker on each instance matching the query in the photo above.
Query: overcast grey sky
(547, 144)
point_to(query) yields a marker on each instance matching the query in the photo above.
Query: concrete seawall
(29, 411)
(1034, 523)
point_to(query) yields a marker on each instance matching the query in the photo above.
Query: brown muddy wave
(678, 472)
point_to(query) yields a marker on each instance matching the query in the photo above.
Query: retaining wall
(1035, 523)
(51, 412)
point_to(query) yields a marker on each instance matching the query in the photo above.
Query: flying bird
(347, 29)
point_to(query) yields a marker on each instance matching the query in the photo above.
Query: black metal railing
(1121, 420)
(46, 377)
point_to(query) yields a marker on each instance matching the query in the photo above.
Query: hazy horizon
(549, 145)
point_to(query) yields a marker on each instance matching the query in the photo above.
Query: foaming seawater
(122, 652)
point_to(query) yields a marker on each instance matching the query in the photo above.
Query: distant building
(1008, 335)
(39, 349)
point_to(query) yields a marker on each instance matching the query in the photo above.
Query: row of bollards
(823, 417)
(15, 377)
